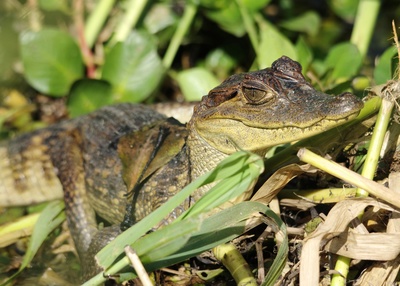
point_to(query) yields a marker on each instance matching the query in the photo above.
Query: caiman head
(256, 110)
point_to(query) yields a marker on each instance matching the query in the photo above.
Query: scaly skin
(251, 111)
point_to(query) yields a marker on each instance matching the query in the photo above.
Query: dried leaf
(278, 180)
(336, 223)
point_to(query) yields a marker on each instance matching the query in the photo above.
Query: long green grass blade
(227, 169)
(50, 218)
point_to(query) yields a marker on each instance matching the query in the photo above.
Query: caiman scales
(88, 160)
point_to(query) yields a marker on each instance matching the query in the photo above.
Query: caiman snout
(343, 105)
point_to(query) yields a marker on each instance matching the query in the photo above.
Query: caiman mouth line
(319, 123)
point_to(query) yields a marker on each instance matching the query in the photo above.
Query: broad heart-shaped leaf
(229, 16)
(344, 61)
(308, 22)
(88, 95)
(52, 61)
(133, 68)
(385, 68)
(304, 53)
(196, 82)
(273, 45)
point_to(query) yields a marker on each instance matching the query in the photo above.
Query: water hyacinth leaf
(304, 53)
(345, 9)
(159, 18)
(133, 68)
(386, 66)
(228, 18)
(273, 45)
(220, 62)
(344, 60)
(308, 23)
(255, 5)
(196, 82)
(87, 95)
(54, 5)
(52, 61)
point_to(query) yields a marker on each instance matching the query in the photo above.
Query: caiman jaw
(257, 110)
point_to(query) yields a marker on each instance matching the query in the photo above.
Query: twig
(138, 266)
(80, 30)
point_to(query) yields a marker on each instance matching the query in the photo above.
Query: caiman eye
(257, 96)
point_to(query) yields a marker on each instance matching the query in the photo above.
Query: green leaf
(344, 60)
(50, 218)
(52, 61)
(216, 229)
(133, 68)
(385, 68)
(273, 45)
(196, 82)
(88, 95)
(346, 9)
(308, 22)
(255, 5)
(304, 53)
(220, 62)
(229, 17)
(54, 5)
(166, 241)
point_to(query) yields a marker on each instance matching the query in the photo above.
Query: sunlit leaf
(133, 68)
(345, 9)
(196, 82)
(228, 18)
(304, 53)
(227, 15)
(88, 95)
(52, 61)
(308, 22)
(220, 62)
(385, 68)
(343, 61)
(54, 5)
(273, 45)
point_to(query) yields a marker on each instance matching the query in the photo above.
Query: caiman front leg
(80, 215)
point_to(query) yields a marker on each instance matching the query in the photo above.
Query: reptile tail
(27, 174)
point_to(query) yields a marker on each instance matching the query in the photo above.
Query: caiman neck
(203, 156)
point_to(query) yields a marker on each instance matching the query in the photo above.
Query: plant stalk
(370, 165)
(129, 21)
(96, 20)
(250, 27)
(367, 13)
(177, 38)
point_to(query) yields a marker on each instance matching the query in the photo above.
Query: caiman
(88, 160)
